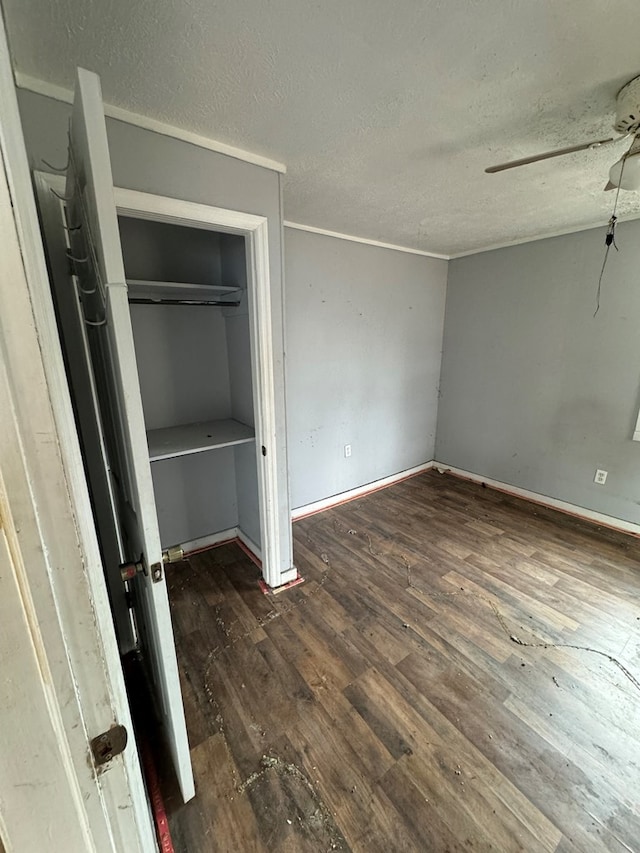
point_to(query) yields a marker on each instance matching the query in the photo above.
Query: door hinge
(109, 744)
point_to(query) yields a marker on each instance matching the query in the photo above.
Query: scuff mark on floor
(317, 822)
(394, 551)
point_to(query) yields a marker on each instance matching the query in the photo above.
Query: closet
(189, 314)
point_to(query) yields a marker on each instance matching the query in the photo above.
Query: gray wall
(535, 391)
(181, 354)
(150, 162)
(195, 495)
(363, 337)
(163, 251)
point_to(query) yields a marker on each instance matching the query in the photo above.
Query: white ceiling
(385, 113)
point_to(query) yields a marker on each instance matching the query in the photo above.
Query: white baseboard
(209, 541)
(212, 539)
(352, 494)
(534, 497)
(249, 544)
(544, 500)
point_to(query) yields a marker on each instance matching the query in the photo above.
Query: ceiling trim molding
(59, 93)
(547, 236)
(313, 230)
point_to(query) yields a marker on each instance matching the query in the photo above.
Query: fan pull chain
(610, 238)
(611, 233)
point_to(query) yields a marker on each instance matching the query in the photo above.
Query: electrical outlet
(347, 451)
(601, 477)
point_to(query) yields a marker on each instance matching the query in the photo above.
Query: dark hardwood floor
(458, 672)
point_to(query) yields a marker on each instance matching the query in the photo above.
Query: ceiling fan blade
(512, 164)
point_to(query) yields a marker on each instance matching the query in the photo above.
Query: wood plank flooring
(458, 672)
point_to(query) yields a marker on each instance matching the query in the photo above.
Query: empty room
(320, 426)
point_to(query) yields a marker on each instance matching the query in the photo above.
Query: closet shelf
(180, 293)
(183, 440)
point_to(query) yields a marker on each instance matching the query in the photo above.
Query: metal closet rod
(137, 300)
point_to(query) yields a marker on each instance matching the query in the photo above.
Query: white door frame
(63, 638)
(255, 231)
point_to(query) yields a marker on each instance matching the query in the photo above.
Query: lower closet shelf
(195, 438)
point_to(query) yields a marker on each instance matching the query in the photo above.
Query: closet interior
(190, 317)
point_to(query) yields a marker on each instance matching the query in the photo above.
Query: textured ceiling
(385, 113)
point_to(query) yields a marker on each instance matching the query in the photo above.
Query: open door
(99, 268)
(79, 373)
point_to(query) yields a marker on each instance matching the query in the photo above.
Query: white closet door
(101, 278)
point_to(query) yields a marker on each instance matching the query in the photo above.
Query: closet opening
(188, 300)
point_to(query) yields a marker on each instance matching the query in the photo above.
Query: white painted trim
(251, 545)
(209, 541)
(563, 232)
(163, 209)
(286, 577)
(264, 405)
(189, 213)
(544, 500)
(516, 491)
(232, 534)
(360, 491)
(60, 93)
(339, 236)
